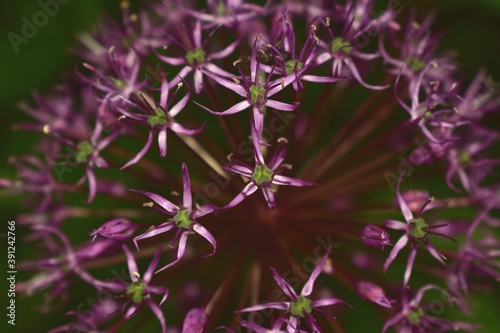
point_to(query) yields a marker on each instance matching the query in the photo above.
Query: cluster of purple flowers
(166, 71)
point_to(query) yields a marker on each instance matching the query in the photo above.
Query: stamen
(148, 204)
(282, 139)
(175, 193)
(46, 129)
(121, 117)
(124, 4)
(236, 80)
(111, 49)
(327, 21)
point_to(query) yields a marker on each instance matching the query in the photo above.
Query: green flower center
(159, 119)
(223, 10)
(290, 66)
(182, 218)
(136, 289)
(464, 158)
(338, 44)
(415, 316)
(84, 150)
(197, 55)
(416, 64)
(257, 93)
(301, 306)
(119, 83)
(417, 230)
(262, 174)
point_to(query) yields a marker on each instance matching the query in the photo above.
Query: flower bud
(375, 236)
(117, 229)
(195, 321)
(373, 293)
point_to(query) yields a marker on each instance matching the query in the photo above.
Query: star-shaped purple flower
(300, 306)
(184, 219)
(263, 175)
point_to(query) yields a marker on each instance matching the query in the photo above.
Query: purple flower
(375, 236)
(300, 306)
(62, 262)
(138, 289)
(159, 116)
(256, 93)
(184, 219)
(359, 24)
(416, 228)
(413, 316)
(291, 62)
(89, 321)
(197, 57)
(263, 175)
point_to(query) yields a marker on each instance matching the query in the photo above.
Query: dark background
(472, 30)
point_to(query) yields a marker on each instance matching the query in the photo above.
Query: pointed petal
(287, 289)
(141, 153)
(226, 83)
(158, 313)
(162, 142)
(327, 301)
(152, 265)
(180, 105)
(402, 204)
(270, 305)
(180, 250)
(203, 232)
(434, 252)
(164, 227)
(269, 196)
(395, 250)
(357, 76)
(92, 183)
(178, 128)
(187, 199)
(284, 180)
(232, 110)
(396, 225)
(247, 191)
(245, 171)
(278, 156)
(281, 106)
(132, 266)
(308, 287)
(164, 203)
(409, 265)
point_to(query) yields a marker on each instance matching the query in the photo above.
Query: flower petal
(203, 232)
(308, 287)
(395, 250)
(287, 289)
(167, 205)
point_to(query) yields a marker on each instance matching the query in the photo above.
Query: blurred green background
(472, 29)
